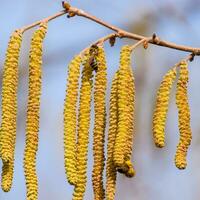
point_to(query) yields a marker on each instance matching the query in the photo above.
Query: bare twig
(189, 58)
(25, 28)
(143, 41)
(72, 11)
(99, 42)
(124, 34)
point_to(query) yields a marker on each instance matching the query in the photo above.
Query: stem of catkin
(33, 112)
(184, 117)
(111, 173)
(161, 107)
(9, 109)
(70, 119)
(99, 124)
(83, 130)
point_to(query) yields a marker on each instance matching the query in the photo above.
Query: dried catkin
(83, 131)
(9, 109)
(161, 107)
(184, 117)
(124, 111)
(70, 119)
(111, 173)
(33, 109)
(99, 124)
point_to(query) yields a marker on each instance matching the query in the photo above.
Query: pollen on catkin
(183, 117)
(99, 124)
(111, 173)
(83, 130)
(130, 172)
(9, 109)
(125, 110)
(161, 107)
(70, 119)
(33, 112)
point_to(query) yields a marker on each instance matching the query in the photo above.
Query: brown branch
(72, 11)
(124, 34)
(25, 28)
(99, 42)
(143, 41)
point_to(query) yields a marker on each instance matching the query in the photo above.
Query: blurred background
(175, 20)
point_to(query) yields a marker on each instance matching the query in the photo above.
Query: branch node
(145, 44)
(70, 14)
(120, 34)
(155, 39)
(66, 5)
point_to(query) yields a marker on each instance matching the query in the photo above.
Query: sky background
(156, 175)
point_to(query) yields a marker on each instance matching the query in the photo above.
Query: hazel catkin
(183, 117)
(130, 172)
(161, 107)
(125, 109)
(99, 124)
(83, 130)
(9, 109)
(111, 173)
(70, 119)
(33, 109)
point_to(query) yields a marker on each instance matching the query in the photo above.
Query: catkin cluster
(77, 114)
(160, 113)
(183, 117)
(99, 124)
(33, 111)
(9, 109)
(161, 108)
(121, 123)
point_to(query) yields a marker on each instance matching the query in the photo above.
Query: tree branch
(124, 34)
(25, 28)
(72, 11)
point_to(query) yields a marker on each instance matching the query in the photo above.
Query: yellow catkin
(111, 173)
(83, 131)
(33, 109)
(9, 109)
(184, 117)
(161, 107)
(129, 142)
(124, 112)
(99, 125)
(70, 119)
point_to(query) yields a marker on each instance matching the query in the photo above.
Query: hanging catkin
(99, 124)
(70, 119)
(9, 109)
(83, 130)
(161, 108)
(129, 142)
(33, 109)
(111, 173)
(184, 117)
(125, 110)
